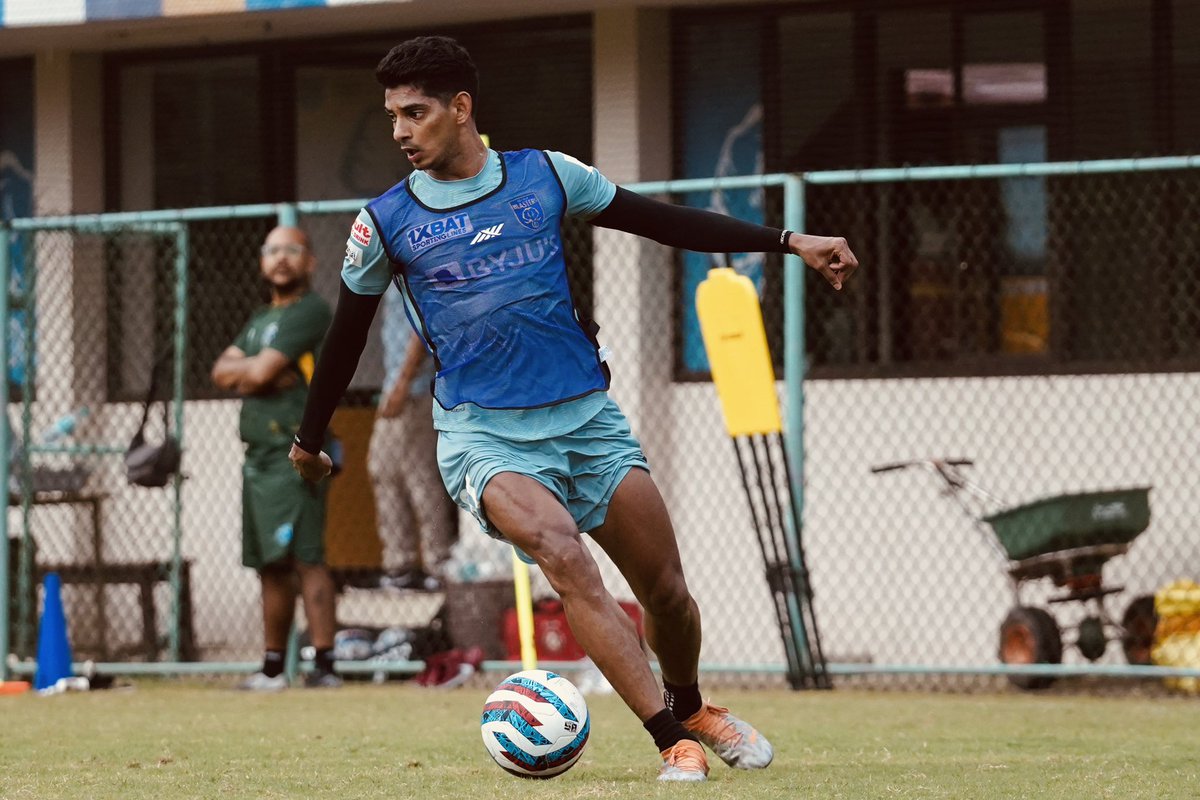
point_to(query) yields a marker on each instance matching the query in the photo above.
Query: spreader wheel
(1030, 635)
(1139, 623)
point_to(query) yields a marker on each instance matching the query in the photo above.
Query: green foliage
(167, 739)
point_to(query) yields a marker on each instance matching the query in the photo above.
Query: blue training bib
(489, 284)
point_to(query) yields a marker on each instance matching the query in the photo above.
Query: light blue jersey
(367, 269)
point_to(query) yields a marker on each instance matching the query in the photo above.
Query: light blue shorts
(582, 468)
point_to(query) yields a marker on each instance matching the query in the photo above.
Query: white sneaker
(259, 682)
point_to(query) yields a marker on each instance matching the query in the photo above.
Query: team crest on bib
(529, 211)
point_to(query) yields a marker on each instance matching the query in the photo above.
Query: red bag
(551, 634)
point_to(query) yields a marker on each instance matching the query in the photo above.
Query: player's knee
(562, 556)
(568, 566)
(669, 598)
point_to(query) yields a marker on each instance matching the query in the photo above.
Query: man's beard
(289, 288)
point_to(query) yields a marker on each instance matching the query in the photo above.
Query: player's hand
(312, 468)
(829, 255)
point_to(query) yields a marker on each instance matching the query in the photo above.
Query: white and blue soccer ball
(535, 724)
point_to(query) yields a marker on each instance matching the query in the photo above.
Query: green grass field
(163, 739)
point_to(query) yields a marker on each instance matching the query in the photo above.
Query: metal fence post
(5, 448)
(793, 340)
(26, 582)
(286, 215)
(181, 309)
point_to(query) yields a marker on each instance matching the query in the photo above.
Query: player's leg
(320, 611)
(278, 604)
(316, 583)
(615, 499)
(386, 457)
(534, 520)
(638, 536)
(518, 490)
(436, 515)
(278, 597)
(319, 595)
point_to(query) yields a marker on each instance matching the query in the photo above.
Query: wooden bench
(145, 575)
(98, 574)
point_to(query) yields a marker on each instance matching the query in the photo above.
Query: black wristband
(783, 241)
(308, 447)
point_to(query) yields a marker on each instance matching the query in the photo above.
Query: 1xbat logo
(431, 233)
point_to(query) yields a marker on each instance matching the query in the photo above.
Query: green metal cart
(1066, 538)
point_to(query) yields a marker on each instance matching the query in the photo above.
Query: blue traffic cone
(54, 649)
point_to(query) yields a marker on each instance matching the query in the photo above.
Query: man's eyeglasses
(296, 250)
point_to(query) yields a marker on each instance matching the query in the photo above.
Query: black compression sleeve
(688, 228)
(339, 359)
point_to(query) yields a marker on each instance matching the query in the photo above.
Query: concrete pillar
(632, 94)
(69, 179)
(69, 268)
(633, 276)
(68, 121)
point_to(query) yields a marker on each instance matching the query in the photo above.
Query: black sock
(323, 660)
(666, 730)
(273, 663)
(684, 701)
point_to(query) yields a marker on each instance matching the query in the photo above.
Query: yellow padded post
(732, 326)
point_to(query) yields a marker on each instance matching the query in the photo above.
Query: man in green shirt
(283, 517)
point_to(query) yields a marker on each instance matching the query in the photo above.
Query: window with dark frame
(1023, 275)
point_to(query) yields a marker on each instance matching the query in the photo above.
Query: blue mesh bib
(489, 285)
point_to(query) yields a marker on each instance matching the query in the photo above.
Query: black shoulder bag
(148, 464)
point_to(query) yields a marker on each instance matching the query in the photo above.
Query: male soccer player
(529, 441)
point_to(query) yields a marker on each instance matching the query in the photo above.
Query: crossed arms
(264, 373)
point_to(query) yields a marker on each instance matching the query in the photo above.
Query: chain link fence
(80, 371)
(1003, 319)
(1037, 320)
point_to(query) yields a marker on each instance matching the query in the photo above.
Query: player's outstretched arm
(343, 347)
(706, 232)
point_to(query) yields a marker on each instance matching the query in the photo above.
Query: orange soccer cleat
(684, 761)
(736, 741)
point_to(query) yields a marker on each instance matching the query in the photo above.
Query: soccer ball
(535, 724)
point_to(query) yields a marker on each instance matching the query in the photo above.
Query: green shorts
(282, 514)
(581, 468)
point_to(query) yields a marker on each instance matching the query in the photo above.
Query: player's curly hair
(437, 66)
